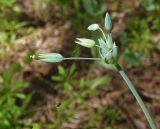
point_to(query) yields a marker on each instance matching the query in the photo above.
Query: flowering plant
(108, 52)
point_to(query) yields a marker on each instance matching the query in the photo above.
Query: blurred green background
(77, 94)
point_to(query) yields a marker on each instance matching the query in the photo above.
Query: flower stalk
(108, 52)
(136, 95)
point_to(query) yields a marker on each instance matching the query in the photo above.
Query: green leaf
(93, 8)
(61, 70)
(20, 95)
(101, 81)
(132, 59)
(57, 78)
(36, 126)
(7, 77)
(17, 67)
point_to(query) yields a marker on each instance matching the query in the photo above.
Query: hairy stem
(136, 95)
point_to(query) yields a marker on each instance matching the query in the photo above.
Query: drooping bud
(93, 27)
(50, 57)
(108, 22)
(85, 42)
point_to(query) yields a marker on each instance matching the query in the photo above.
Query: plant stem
(81, 58)
(136, 95)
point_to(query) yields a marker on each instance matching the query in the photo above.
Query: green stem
(136, 95)
(81, 58)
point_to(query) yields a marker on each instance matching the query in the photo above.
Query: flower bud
(85, 42)
(115, 51)
(93, 27)
(109, 41)
(51, 57)
(108, 22)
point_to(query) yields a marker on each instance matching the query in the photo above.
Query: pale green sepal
(109, 41)
(115, 51)
(103, 44)
(108, 56)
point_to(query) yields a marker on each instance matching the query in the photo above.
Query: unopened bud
(85, 42)
(51, 57)
(93, 27)
(108, 22)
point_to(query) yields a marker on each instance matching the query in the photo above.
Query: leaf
(132, 59)
(20, 95)
(90, 6)
(101, 81)
(17, 67)
(36, 126)
(61, 70)
(93, 8)
(57, 78)
(7, 77)
(72, 71)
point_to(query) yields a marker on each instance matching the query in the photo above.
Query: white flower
(85, 42)
(93, 27)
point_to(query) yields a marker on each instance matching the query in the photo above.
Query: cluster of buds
(107, 48)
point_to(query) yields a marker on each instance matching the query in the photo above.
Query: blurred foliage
(137, 43)
(152, 18)
(11, 26)
(36, 126)
(84, 11)
(149, 5)
(77, 93)
(8, 21)
(137, 40)
(13, 102)
(97, 121)
(138, 36)
(66, 78)
(8, 5)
